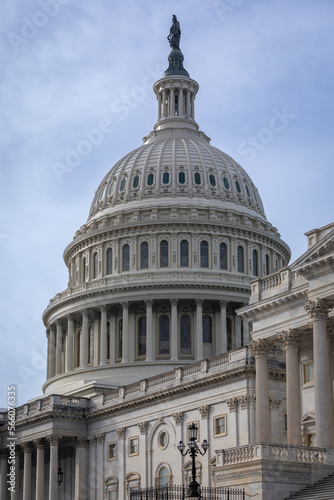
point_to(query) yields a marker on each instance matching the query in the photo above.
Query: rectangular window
(112, 451)
(133, 446)
(308, 373)
(219, 425)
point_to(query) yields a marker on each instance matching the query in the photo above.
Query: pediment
(308, 418)
(319, 254)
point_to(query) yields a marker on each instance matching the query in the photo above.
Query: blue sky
(70, 67)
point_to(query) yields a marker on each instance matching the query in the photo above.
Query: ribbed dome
(177, 163)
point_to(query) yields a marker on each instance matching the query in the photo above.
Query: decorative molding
(222, 478)
(100, 438)
(232, 403)
(244, 401)
(274, 402)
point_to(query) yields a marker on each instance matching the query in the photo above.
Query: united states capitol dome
(175, 234)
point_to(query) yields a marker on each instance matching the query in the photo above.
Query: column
(149, 330)
(59, 347)
(84, 339)
(181, 102)
(237, 330)
(15, 494)
(112, 323)
(171, 102)
(323, 383)
(48, 354)
(174, 336)
(159, 105)
(223, 325)
(53, 474)
(80, 487)
(291, 341)
(125, 343)
(97, 341)
(27, 471)
(164, 103)
(261, 348)
(192, 106)
(188, 110)
(40, 446)
(70, 343)
(3, 475)
(199, 328)
(52, 359)
(245, 324)
(100, 466)
(104, 339)
(92, 467)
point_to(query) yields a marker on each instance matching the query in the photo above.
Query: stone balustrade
(282, 281)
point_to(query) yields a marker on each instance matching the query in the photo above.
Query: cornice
(280, 303)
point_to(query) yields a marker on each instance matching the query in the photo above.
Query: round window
(163, 439)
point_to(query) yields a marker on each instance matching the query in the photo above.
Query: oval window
(212, 180)
(122, 186)
(163, 439)
(165, 178)
(150, 179)
(237, 185)
(197, 178)
(136, 181)
(182, 178)
(226, 183)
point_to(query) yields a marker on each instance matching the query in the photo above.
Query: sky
(266, 98)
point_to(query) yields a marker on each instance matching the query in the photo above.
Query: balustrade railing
(175, 492)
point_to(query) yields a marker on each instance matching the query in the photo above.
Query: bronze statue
(174, 34)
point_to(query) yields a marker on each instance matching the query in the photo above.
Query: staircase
(322, 490)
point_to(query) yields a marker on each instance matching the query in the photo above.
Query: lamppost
(193, 451)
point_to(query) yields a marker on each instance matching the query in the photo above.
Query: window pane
(109, 261)
(122, 186)
(223, 256)
(144, 255)
(255, 263)
(185, 334)
(184, 250)
(207, 335)
(136, 181)
(182, 178)
(96, 265)
(164, 334)
(164, 254)
(204, 254)
(120, 338)
(240, 256)
(126, 258)
(212, 180)
(91, 344)
(163, 477)
(226, 183)
(267, 271)
(142, 336)
(150, 179)
(197, 178)
(165, 178)
(237, 185)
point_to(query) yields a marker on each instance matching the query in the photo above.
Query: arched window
(163, 335)
(95, 265)
(109, 261)
(204, 254)
(240, 259)
(126, 258)
(267, 269)
(91, 344)
(163, 477)
(207, 330)
(142, 336)
(164, 253)
(184, 252)
(223, 256)
(255, 263)
(120, 339)
(144, 255)
(185, 335)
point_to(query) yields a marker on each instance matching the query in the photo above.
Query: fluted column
(125, 353)
(159, 106)
(149, 330)
(104, 340)
(188, 110)
(53, 474)
(237, 330)
(48, 354)
(112, 323)
(261, 349)
(27, 471)
(84, 339)
(323, 379)
(52, 359)
(59, 347)
(164, 103)
(40, 447)
(174, 330)
(181, 102)
(3, 475)
(171, 102)
(70, 343)
(199, 328)
(223, 325)
(291, 341)
(80, 487)
(192, 99)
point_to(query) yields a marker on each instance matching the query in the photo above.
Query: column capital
(173, 302)
(81, 442)
(149, 302)
(39, 443)
(232, 403)
(290, 338)
(204, 410)
(178, 417)
(318, 309)
(125, 305)
(59, 322)
(261, 347)
(199, 302)
(120, 432)
(103, 308)
(3, 454)
(143, 427)
(100, 438)
(70, 317)
(84, 312)
(27, 447)
(223, 303)
(53, 439)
